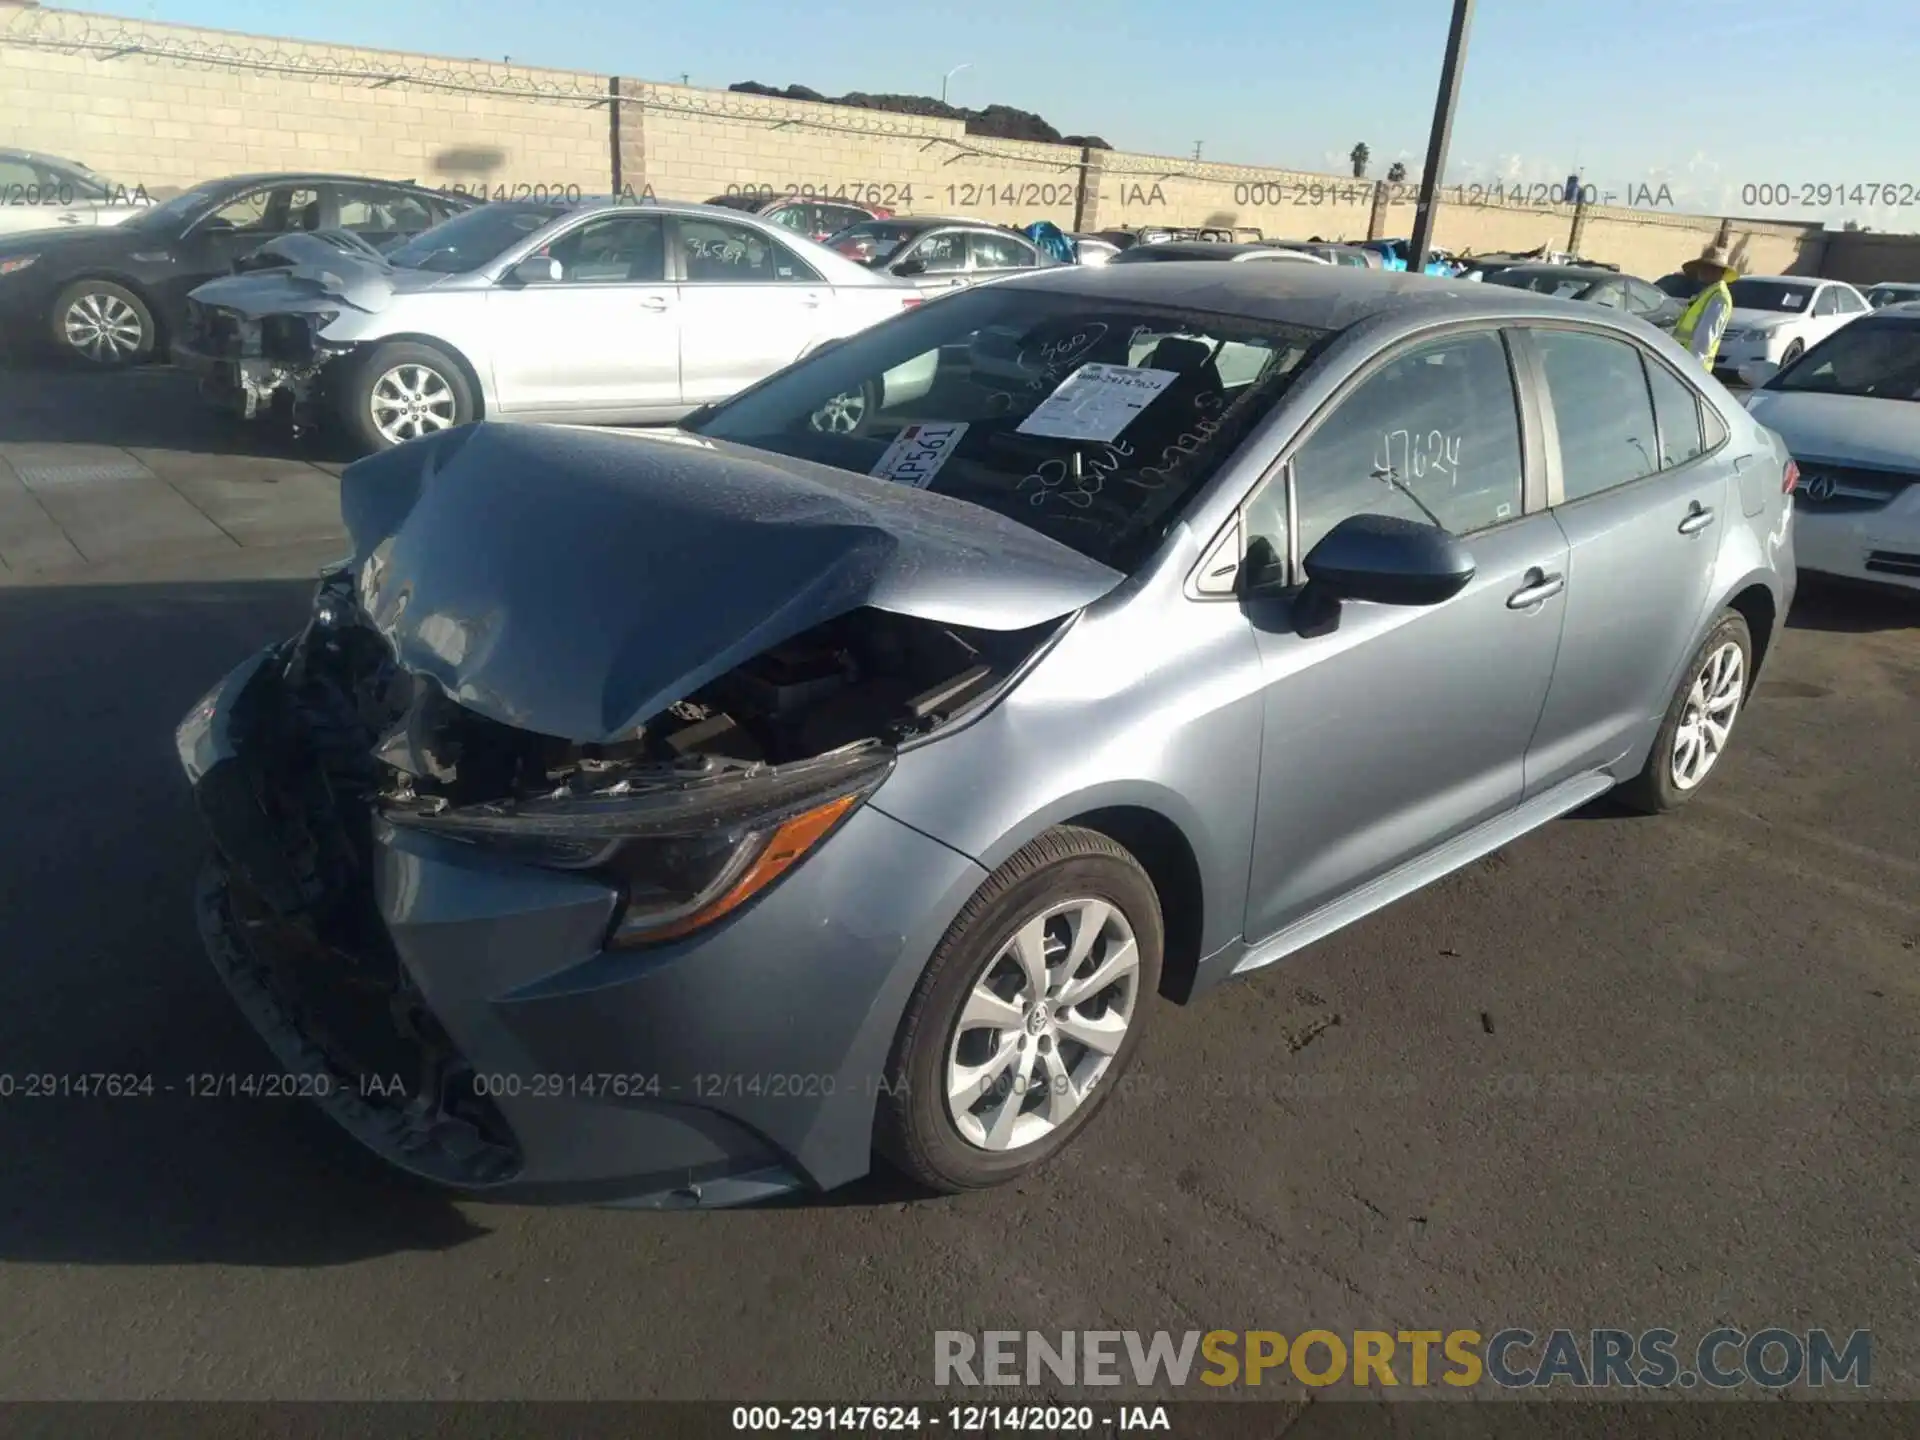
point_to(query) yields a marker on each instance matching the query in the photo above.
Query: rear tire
(988, 1079)
(402, 391)
(1713, 691)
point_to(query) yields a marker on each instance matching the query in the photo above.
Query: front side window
(1091, 420)
(1850, 302)
(613, 249)
(254, 213)
(1878, 359)
(998, 252)
(1602, 410)
(717, 252)
(1433, 435)
(1828, 303)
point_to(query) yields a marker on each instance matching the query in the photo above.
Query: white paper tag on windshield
(1096, 402)
(918, 452)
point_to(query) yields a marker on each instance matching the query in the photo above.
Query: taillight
(881, 213)
(1789, 478)
(909, 303)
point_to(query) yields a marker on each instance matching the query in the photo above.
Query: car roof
(1209, 249)
(307, 177)
(1895, 285)
(1321, 297)
(1804, 281)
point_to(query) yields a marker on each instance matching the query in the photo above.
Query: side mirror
(911, 267)
(1756, 373)
(1389, 561)
(535, 270)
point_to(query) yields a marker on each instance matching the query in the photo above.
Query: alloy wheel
(103, 327)
(1713, 702)
(412, 400)
(841, 415)
(1042, 1024)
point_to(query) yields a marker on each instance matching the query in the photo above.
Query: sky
(1708, 98)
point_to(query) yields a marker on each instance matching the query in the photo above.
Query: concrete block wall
(166, 106)
(191, 105)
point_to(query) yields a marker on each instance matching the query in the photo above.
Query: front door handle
(656, 303)
(1539, 586)
(1698, 518)
(811, 302)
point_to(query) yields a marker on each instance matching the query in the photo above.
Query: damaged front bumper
(461, 1015)
(254, 366)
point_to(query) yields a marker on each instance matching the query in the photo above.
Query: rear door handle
(656, 303)
(1698, 518)
(1540, 586)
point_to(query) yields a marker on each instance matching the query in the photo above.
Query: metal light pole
(1442, 132)
(948, 76)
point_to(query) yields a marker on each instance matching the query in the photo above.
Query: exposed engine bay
(868, 679)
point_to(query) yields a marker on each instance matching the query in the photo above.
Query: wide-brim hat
(1712, 262)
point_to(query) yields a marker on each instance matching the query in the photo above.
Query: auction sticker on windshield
(1096, 402)
(918, 452)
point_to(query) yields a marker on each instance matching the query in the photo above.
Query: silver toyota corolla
(680, 818)
(604, 312)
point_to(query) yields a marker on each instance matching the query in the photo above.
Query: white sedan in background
(1849, 411)
(1892, 292)
(608, 312)
(44, 192)
(1778, 318)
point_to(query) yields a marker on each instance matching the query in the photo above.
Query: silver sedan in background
(607, 312)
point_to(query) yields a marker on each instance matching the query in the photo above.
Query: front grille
(1837, 489)
(1894, 562)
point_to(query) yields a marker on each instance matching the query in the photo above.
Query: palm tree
(1396, 172)
(1360, 156)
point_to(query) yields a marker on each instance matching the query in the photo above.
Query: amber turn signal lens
(789, 843)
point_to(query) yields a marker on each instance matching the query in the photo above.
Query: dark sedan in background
(1595, 286)
(112, 295)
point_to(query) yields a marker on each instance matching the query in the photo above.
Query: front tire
(1792, 353)
(1713, 691)
(1029, 1012)
(102, 325)
(403, 391)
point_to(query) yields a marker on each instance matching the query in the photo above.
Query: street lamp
(948, 76)
(1442, 132)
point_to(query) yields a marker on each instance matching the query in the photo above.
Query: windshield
(84, 183)
(1090, 419)
(470, 240)
(175, 213)
(1883, 295)
(1879, 359)
(1771, 295)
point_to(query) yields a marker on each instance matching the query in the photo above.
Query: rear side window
(1676, 409)
(1601, 408)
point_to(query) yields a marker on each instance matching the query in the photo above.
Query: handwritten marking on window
(1413, 455)
(1076, 485)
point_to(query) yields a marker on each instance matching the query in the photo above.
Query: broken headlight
(685, 851)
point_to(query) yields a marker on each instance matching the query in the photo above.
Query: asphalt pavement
(1626, 1072)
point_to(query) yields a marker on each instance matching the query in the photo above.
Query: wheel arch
(1755, 604)
(469, 372)
(1165, 853)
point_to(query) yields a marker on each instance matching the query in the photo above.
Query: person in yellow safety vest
(1699, 329)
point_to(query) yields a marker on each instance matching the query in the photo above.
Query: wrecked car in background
(603, 312)
(681, 817)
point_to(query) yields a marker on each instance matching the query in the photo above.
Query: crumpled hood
(1842, 429)
(575, 582)
(318, 273)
